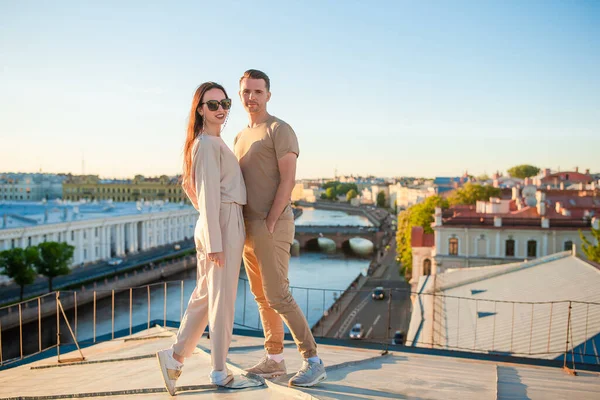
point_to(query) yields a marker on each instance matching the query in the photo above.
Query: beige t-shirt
(258, 151)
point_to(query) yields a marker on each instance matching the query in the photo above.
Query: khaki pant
(213, 299)
(266, 258)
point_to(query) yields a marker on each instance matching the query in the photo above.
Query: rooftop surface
(27, 214)
(521, 309)
(127, 368)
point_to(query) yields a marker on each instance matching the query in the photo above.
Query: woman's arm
(208, 190)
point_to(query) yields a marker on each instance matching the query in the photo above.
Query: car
(378, 293)
(115, 261)
(357, 332)
(177, 247)
(398, 338)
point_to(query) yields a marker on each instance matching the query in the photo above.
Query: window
(84, 235)
(96, 232)
(453, 246)
(427, 267)
(72, 236)
(532, 248)
(29, 241)
(568, 245)
(96, 251)
(510, 248)
(85, 254)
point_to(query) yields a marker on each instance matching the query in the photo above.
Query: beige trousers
(266, 259)
(213, 299)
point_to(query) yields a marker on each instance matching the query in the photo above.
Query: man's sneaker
(267, 368)
(170, 368)
(221, 378)
(310, 374)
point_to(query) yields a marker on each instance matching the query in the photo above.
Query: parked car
(176, 246)
(378, 293)
(115, 261)
(398, 338)
(357, 332)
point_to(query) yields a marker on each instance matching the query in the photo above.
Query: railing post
(75, 300)
(21, 331)
(567, 338)
(130, 310)
(57, 325)
(512, 326)
(39, 324)
(94, 323)
(1, 360)
(550, 327)
(112, 307)
(587, 313)
(165, 307)
(458, 323)
(494, 328)
(181, 304)
(531, 327)
(244, 311)
(476, 318)
(148, 289)
(389, 322)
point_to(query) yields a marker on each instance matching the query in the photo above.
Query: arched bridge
(339, 234)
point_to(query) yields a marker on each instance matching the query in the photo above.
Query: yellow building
(90, 187)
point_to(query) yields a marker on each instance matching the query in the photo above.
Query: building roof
(419, 238)
(352, 373)
(27, 214)
(519, 309)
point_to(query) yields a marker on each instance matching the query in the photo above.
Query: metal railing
(86, 317)
(568, 330)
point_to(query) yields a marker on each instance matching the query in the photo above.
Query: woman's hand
(217, 258)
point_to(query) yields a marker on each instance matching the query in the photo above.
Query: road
(10, 293)
(376, 315)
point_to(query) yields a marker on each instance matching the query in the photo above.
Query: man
(267, 150)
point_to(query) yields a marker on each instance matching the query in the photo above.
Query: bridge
(307, 235)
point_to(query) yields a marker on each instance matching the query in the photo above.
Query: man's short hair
(256, 74)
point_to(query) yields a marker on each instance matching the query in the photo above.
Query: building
(98, 230)
(520, 309)
(561, 180)
(90, 187)
(406, 196)
(30, 187)
(531, 224)
(306, 192)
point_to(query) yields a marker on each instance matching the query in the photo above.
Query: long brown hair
(195, 125)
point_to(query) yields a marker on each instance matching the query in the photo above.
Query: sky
(398, 88)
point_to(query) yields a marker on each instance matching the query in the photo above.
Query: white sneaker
(170, 368)
(221, 378)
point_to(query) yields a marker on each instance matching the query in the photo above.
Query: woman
(213, 181)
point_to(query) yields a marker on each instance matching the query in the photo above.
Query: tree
(417, 215)
(589, 249)
(469, 194)
(18, 264)
(54, 260)
(351, 194)
(381, 199)
(330, 193)
(523, 171)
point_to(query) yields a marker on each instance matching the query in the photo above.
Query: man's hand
(217, 258)
(271, 224)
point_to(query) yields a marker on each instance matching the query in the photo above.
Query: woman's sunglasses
(213, 105)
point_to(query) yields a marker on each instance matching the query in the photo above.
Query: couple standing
(244, 204)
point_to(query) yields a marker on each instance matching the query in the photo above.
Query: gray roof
(519, 309)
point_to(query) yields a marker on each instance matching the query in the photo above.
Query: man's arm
(287, 173)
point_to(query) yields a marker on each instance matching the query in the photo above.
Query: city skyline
(399, 90)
